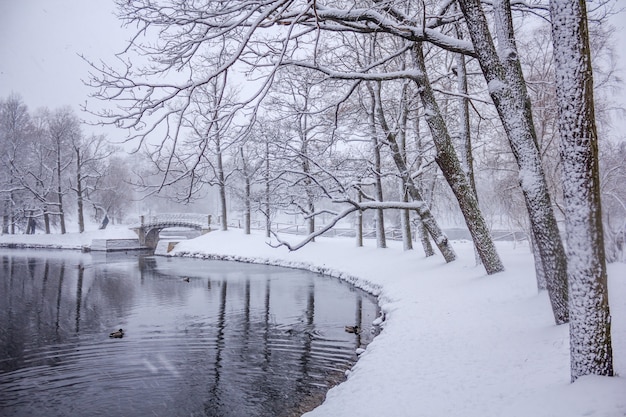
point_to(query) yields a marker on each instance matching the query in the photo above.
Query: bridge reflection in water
(236, 340)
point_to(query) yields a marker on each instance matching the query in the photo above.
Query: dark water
(236, 340)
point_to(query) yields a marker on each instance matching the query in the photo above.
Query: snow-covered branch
(373, 205)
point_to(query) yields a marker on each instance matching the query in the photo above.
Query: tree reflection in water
(237, 340)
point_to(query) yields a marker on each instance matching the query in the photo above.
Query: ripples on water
(236, 340)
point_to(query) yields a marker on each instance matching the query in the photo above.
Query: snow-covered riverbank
(455, 342)
(66, 241)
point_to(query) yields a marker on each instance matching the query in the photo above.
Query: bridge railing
(200, 220)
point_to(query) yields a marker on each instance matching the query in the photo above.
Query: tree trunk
(405, 221)
(79, 194)
(223, 213)
(8, 221)
(247, 213)
(46, 219)
(381, 240)
(507, 89)
(310, 198)
(420, 228)
(405, 215)
(359, 220)
(450, 165)
(465, 137)
(311, 220)
(5, 217)
(60, 212)
(221, 184)
(268, 219)
(248, 209)
(60, 191)
(539, 272)
(306, 169)
(426, 216)
(590, 318)
(423, 235)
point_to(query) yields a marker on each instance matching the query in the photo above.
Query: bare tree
(63, 128)
(89, 156)
(296, 105)
(112, 193)
(250, 159)
(15, 131)
(211, 127)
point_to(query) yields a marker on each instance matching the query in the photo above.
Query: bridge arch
(150, 227)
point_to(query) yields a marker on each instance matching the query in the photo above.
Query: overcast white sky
(39, 45)
(40, 41)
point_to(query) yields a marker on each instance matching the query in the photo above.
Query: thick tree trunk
(450, 165)
(508, 91)
(590, 318)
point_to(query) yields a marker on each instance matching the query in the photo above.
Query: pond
(201, 338)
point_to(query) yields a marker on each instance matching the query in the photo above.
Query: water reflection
(236, 340)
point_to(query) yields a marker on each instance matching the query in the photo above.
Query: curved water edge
(365, 285)
(59, 365)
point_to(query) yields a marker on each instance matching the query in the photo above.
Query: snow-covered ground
(455, 342)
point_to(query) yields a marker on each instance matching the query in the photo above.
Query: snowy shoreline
(353, 280)
(455, 342)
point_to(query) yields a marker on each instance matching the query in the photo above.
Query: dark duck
(118, 334)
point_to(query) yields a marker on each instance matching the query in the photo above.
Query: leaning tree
(590, 318)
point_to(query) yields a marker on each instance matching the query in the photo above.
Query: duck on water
(118, 334)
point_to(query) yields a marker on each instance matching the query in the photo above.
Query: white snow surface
(455, 342)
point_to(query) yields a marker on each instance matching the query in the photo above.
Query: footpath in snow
(455, 342)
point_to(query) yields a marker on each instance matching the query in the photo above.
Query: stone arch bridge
(149, 227)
